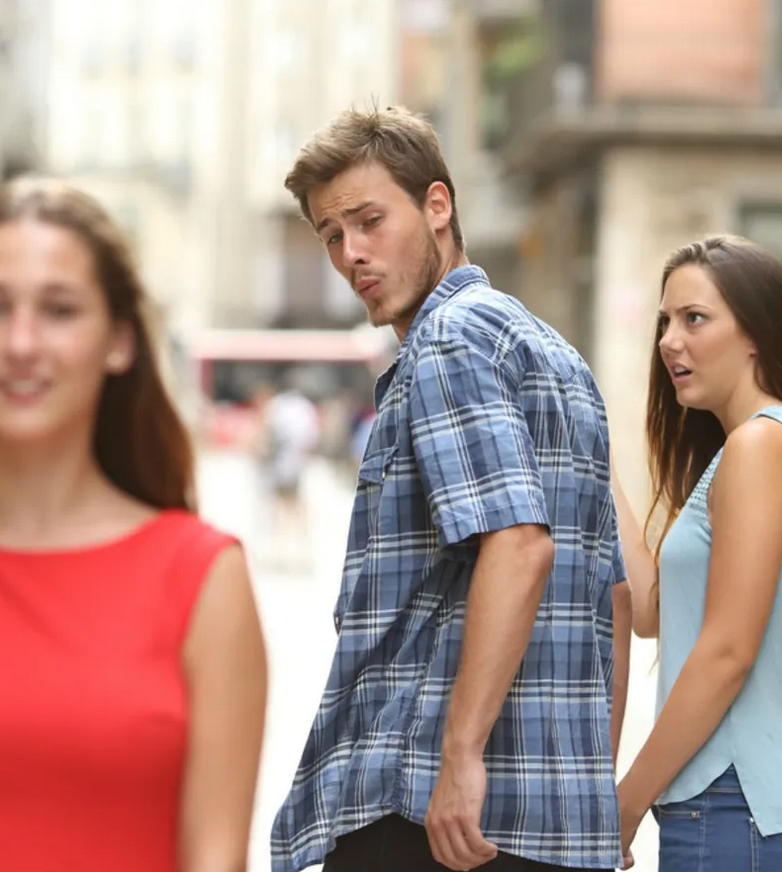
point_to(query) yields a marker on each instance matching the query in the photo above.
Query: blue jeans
(715, 832)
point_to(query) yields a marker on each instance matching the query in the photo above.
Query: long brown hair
(139, 441)
(682, 442)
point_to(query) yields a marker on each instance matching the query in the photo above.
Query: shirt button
(337, 623)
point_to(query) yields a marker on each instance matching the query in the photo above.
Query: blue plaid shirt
(487, 419)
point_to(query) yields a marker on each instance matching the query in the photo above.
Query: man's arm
(623, 625)
(479, 469)
(505, 592)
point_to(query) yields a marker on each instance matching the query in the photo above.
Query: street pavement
(296, 606)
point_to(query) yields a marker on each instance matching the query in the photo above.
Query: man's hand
(454, 815)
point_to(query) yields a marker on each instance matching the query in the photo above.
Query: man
(466, 720)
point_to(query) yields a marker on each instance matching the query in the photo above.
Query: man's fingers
(461, 856)
(480, 849)
(459, 845)
(440, 844)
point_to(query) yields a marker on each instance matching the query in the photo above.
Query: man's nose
(353, 251)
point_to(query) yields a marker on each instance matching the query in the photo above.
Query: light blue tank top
(750, 735)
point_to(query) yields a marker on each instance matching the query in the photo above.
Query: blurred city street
(587, 141)
(296, 611)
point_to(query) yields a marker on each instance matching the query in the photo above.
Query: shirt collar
(451, 284)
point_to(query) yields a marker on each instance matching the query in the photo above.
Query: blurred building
(184, 117)
(22, 59)
(311, 60)
(451, 52)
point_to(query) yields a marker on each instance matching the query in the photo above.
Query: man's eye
(371, 222)
(333, 240)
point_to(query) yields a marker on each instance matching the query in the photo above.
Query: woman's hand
(631, 813)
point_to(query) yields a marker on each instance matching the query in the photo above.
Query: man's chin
(379, 318)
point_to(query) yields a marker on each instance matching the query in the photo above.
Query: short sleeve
(472, 445)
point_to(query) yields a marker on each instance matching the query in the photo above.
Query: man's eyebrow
(353, 210)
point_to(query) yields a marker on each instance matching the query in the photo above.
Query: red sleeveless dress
(93, 704)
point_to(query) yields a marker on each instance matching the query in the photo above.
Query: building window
(762, 223)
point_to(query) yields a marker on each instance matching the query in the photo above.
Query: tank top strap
(700, 494)
(195, 546)
(774, 412)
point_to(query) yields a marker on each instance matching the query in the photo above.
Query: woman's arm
(641, 568)
(623, 619)
(225, 665)
(744, 570)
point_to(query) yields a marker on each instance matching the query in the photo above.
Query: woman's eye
(62, 310)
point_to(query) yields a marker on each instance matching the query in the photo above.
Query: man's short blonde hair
(404, 143)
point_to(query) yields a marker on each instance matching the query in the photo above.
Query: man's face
(381, 241)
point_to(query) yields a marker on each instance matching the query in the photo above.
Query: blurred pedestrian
(133, 685)
(466, 719)
(713, 762)
(288, 434)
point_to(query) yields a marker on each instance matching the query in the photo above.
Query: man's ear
(437, 206)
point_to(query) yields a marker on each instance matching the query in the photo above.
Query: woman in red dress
(133, 684)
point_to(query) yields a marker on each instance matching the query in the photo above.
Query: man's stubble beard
(428, 274)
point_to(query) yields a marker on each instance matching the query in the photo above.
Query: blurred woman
(133, 685)
(713, 762)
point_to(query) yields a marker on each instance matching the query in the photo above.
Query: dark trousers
(394, 844)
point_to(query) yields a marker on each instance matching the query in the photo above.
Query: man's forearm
(508, 582)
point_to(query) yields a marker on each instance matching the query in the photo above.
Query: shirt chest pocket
(375, 480)
(371, 491)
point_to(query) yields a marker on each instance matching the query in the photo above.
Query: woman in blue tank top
(712, 767)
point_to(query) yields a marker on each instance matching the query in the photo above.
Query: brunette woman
(712, 766)
(133, 680)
